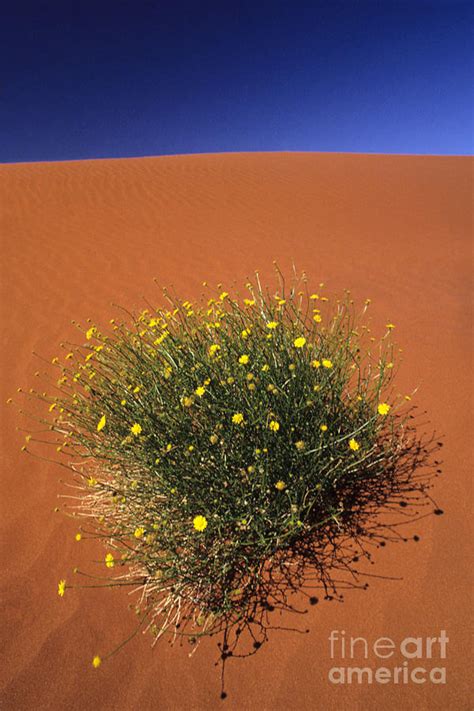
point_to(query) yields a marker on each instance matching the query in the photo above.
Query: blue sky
(114, 79)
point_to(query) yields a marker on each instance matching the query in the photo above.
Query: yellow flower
(245, 333)
(123, 402)
(327, 363)
(244, 359)
(383, 408)
(390, 326)
(61, 588)
(314, 296)
(200, 391)
(214, 348)
(136, 429)
(299, 342)
(274, 426)
(90, 333)
(354, 445)
(101, 423)
(315, 364)
(109, 560)
(186, 401)
(324, 428)
(160, 338)
(96, 662)
(407, 397)
(200, 523)
(238, 418)
(136, 389)
(317, 318)
(280, 485)
(213, 439)
(249, 302)
(91, 481)
(272, 325)
(51, 407)
(78, 536)
(224, 295)
(300, 445)
(138, 532)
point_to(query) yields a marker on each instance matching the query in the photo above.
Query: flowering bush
(228, 452)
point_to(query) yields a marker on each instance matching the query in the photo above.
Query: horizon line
(225, 153)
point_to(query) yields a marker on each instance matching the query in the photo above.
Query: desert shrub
(228, 451)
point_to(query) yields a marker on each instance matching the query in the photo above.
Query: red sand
(78, 236)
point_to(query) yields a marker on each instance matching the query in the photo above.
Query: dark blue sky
(109, 79)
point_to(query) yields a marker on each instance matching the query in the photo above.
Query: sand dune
(78, 236)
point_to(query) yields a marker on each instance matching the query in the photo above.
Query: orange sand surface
(78, 236)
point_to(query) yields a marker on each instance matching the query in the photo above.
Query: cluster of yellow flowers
(256, 355)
